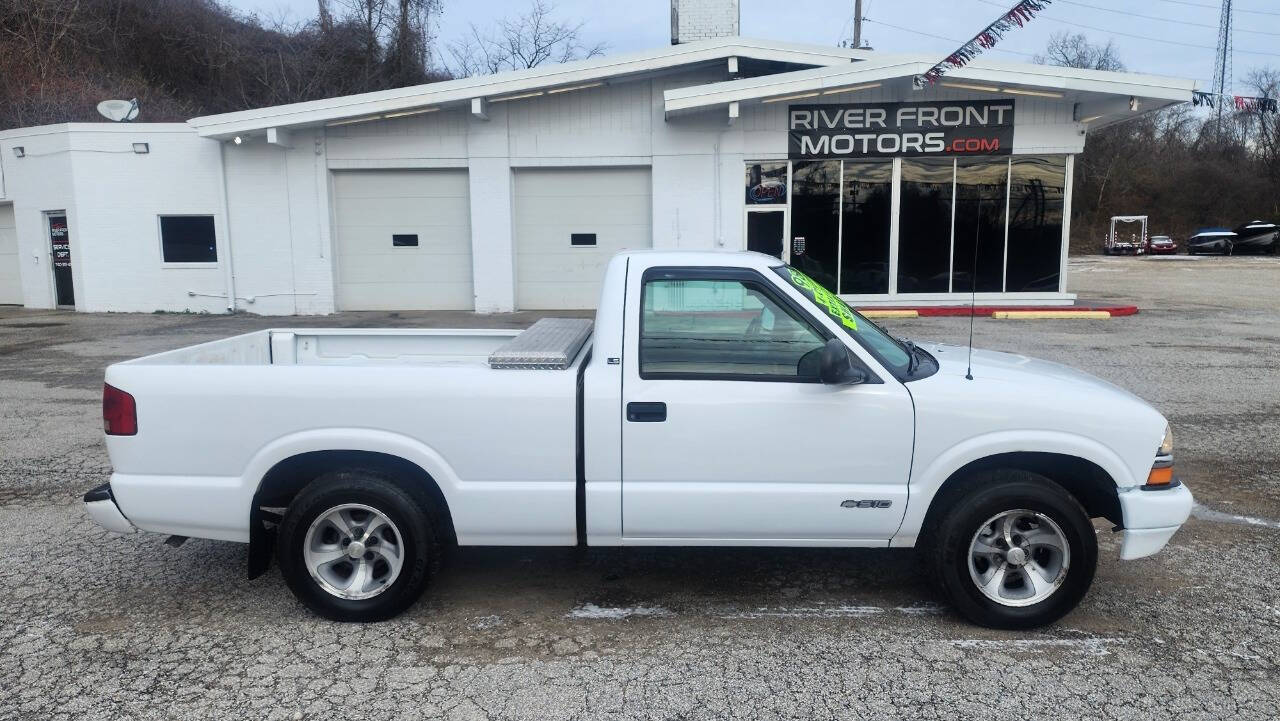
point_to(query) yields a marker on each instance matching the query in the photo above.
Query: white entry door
(403, 240)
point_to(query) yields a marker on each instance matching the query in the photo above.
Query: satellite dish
(120, 111)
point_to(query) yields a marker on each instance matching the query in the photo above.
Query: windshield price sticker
(835, 307)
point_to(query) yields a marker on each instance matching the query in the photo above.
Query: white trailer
(1133, 244)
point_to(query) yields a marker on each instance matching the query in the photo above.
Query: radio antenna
(973, 287)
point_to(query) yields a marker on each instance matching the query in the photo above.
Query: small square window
(583, 239)
(405, 240)
(188, 239)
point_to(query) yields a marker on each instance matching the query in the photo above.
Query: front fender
(926, 479)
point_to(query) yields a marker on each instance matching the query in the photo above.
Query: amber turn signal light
(1160, 476)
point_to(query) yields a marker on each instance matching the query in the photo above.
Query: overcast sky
(1178, 36)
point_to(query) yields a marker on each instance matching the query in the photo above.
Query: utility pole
(857, 23)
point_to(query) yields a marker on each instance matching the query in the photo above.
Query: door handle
(646, 412)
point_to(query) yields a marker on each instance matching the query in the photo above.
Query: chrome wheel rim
(353, 551)
(1019, 557)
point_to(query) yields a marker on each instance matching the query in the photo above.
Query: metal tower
(1222, 61)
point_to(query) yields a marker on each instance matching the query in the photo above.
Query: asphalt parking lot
(100, 626)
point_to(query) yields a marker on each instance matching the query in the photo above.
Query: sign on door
(60, 244)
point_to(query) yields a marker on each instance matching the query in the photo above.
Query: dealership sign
(877, 130)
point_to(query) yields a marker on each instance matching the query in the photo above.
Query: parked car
(1161, 245)
(359, 453)
(1211, 240)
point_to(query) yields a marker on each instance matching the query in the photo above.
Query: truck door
(729, 436)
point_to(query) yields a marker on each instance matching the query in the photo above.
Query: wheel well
(1093, 487)
(288, 477)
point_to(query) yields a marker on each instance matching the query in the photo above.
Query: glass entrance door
(60, 249)
(765, 231)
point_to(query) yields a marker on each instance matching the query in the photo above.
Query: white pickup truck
(721, 399)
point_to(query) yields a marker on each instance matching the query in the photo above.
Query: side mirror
(837, 368)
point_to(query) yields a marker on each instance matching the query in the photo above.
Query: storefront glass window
(867, 207)
(924, 225)
(767, 183)
(1036, 200)
(815, 219)
(980, 205)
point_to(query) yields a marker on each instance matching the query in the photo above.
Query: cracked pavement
(101, 626)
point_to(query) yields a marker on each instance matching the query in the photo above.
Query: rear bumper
(102, 508)
(1151, 517)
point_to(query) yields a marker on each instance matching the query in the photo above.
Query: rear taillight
(119, 412)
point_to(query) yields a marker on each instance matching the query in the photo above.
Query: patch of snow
(1208, 514)
(924, 610)
(807, 612)
(592, 611)
(1091, 646)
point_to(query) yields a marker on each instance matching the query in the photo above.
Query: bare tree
(526, 41)
(324, 16)
(1073, 50)
(1262, 124)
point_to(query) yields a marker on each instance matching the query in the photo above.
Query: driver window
(723, 328)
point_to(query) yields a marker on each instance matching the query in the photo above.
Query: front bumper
(1151, 517)
(102, 508)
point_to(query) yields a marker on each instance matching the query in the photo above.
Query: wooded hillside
(183, 58)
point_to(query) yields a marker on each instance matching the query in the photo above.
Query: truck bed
(214, 418)
(550, 344)
(342, 346)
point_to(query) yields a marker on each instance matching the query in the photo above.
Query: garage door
(403, 239)
(568, 223)
(10, 284)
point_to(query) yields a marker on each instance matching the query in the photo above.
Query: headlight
(1166, 446)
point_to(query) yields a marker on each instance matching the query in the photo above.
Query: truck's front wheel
(353, 546)
(1016, 553)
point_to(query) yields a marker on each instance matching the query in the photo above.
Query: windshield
(867, 334)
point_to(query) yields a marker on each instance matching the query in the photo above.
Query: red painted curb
(935, 311)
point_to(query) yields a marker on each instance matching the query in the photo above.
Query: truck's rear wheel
(1016, 553)
(353, 546)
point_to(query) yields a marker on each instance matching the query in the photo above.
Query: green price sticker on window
(835, 307)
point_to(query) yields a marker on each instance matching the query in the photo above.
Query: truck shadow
(683, 579)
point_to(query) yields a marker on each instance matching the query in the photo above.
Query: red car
(1161, 245)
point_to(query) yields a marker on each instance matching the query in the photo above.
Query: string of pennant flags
(1246, 103)
(1017, 16)
(1021, 14)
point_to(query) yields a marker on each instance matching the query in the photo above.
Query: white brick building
(511, 190)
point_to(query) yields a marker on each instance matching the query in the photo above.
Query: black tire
(995, 493)
(373, 489)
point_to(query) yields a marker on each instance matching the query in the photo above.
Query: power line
(1215, 7)
(939, 37)
(1167, 20)
(1139, 37)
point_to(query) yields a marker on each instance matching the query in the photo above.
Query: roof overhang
(505, 85)
(1101, 96)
